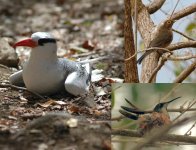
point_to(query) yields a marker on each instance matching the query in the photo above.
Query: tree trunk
(131, 73)
(145, 27)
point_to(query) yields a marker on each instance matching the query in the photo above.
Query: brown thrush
(161, 36)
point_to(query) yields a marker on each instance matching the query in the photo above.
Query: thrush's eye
(169, 22)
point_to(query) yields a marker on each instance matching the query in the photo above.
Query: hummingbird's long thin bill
(173, 99)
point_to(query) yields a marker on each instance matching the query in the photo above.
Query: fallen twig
(4, 85)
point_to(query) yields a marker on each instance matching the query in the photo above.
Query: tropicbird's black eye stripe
(46, 40)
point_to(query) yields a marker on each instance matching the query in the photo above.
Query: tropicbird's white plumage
(44, 73)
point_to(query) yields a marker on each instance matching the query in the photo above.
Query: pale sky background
(166, 75)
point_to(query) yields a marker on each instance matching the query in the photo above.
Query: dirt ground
(29, 122)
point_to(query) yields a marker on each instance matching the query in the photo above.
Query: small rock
(8, 55)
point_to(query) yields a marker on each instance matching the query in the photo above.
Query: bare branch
(185, 12)
(183, 34)
(160, 64)
(187, 132)
(183, 75)
(191, 105)
(170, 48)
(160, 134)
(167, 137)
(180, 58)
(148, 49)
(180, 110)
(181, 45)
(155, 5)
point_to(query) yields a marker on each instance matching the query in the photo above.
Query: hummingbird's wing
(129, 115)
(78, 81)
(135, 111)
(17, 79)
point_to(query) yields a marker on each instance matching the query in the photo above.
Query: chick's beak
(27, 42)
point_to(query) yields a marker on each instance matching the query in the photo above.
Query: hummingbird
(149, 120)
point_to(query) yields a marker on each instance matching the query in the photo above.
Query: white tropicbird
(46, 74)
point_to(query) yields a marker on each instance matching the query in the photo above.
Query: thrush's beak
(28, 42)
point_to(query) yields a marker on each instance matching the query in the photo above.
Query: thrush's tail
(129, 115)
(139, 61)
(135, 111)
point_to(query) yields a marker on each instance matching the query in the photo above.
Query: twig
(181, 58)
(126, 132)
(3, 66)
(127, 59)
(181, 45)
(159, 66)
(183, 34)
(167, 137)
(190, 128)
(30, 116)
(160, 134)
(20, 88)
(191, 105)
(185, 73)
(84, 54)
(174, 8)
(184, 12)
(180, 110)
(149, 49)
(170, 48)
